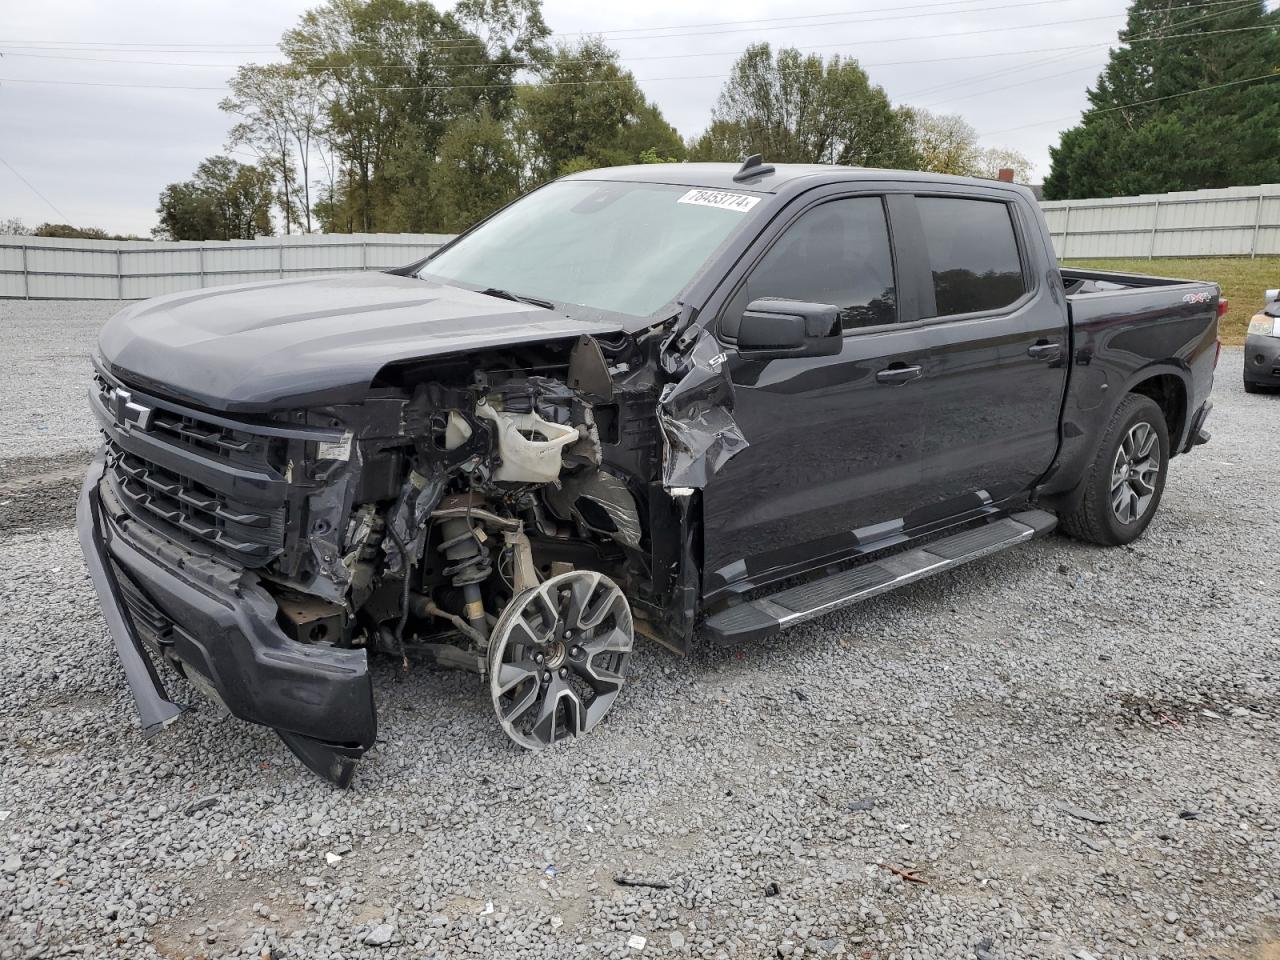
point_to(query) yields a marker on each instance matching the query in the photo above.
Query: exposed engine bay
(493, 512)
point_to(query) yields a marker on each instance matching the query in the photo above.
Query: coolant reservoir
(530, 447)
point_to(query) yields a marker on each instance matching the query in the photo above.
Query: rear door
(996, 344)
(835, 443)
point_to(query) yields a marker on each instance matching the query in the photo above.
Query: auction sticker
(740, 202)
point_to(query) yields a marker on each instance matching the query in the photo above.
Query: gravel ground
(1062, 751)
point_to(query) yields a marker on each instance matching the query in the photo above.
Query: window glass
(836, 253)
(973, 254)
(621, 246)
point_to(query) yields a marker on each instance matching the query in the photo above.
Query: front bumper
(218, 623)
(1262, 360)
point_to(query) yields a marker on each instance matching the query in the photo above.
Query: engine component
(558, 657)
(530, 447)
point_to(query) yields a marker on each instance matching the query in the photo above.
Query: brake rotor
(558, 657)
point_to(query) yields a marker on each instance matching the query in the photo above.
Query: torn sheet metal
(699, 434)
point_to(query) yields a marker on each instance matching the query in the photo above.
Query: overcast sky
(101, 154)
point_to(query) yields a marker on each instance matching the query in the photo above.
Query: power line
(20, 52)
(1235, 6)
(703, 76)
(667, 36)
(229, 46)
(604, 33)
(1141, 103)
(32, 187)
(526, 63)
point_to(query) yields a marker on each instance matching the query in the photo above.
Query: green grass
(1242, 281)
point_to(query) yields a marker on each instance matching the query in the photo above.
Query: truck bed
(1078, 282)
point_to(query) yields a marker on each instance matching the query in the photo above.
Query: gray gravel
(1074, 749)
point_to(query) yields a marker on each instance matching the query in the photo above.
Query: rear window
(973, 253)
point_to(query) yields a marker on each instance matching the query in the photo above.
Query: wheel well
(1168, 391)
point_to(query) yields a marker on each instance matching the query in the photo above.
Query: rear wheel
(1126, 480)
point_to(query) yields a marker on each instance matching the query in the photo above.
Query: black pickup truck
(667, 400)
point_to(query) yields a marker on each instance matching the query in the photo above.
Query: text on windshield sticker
(740, 202)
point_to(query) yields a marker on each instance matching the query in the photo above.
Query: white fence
(1238, 221)
(1235, 222)
(54, 268)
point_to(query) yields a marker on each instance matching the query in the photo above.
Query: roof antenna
(752, 167)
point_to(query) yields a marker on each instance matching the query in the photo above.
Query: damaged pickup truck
(634, 402)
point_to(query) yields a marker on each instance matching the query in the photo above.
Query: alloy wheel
(558, 657)
(1135, 473)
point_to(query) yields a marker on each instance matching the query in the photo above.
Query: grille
(152, 626)
(193, 476)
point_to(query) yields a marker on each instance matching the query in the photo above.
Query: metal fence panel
(1237, 221)
(56, 268)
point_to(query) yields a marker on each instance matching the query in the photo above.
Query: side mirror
(772, 329)
(1272, 296)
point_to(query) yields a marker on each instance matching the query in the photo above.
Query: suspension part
(468, 566)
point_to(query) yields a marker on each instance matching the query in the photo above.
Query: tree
(802, 109)
(944, 143)
(949, 144)
(67, 231)
(279, 106)
(225, 200)
(587, 111)
(476, 172)
(14, 227)
(994, 159)
(395, 74)
(1182, 113)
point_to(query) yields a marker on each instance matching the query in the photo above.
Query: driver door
(835, 442)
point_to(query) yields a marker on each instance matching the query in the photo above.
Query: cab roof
(775, 178)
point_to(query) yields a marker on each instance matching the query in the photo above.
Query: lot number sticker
(740, 202)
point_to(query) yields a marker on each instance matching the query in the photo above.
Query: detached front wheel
(558, 657)
(1126, 480)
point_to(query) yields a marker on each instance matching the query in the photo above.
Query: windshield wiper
(508, 295)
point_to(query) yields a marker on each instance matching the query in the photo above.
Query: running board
(757, 619)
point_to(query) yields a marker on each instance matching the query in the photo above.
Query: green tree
(1155, 121)
(225, 200)
(279, 108)
(475, 173)
(587, 111)
(396, 74)
(803, 109)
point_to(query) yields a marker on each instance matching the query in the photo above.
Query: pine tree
(1178, 107)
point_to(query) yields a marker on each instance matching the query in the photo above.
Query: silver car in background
(1262, 348)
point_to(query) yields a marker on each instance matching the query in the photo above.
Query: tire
(1122, 489)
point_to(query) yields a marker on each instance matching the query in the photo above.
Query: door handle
(899, 374)
(1045, 350)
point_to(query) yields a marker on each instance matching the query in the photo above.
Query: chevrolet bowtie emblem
(130, 414)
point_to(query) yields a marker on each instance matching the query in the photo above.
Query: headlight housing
(1264, 326)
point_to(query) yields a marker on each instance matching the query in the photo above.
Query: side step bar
(757, 619)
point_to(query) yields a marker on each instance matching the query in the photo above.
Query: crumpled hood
(255, 346)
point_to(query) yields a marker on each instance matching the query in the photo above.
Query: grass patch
(1242, 281)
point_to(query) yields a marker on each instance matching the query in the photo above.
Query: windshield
(621, 247)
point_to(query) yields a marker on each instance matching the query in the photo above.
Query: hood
(255, 346)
